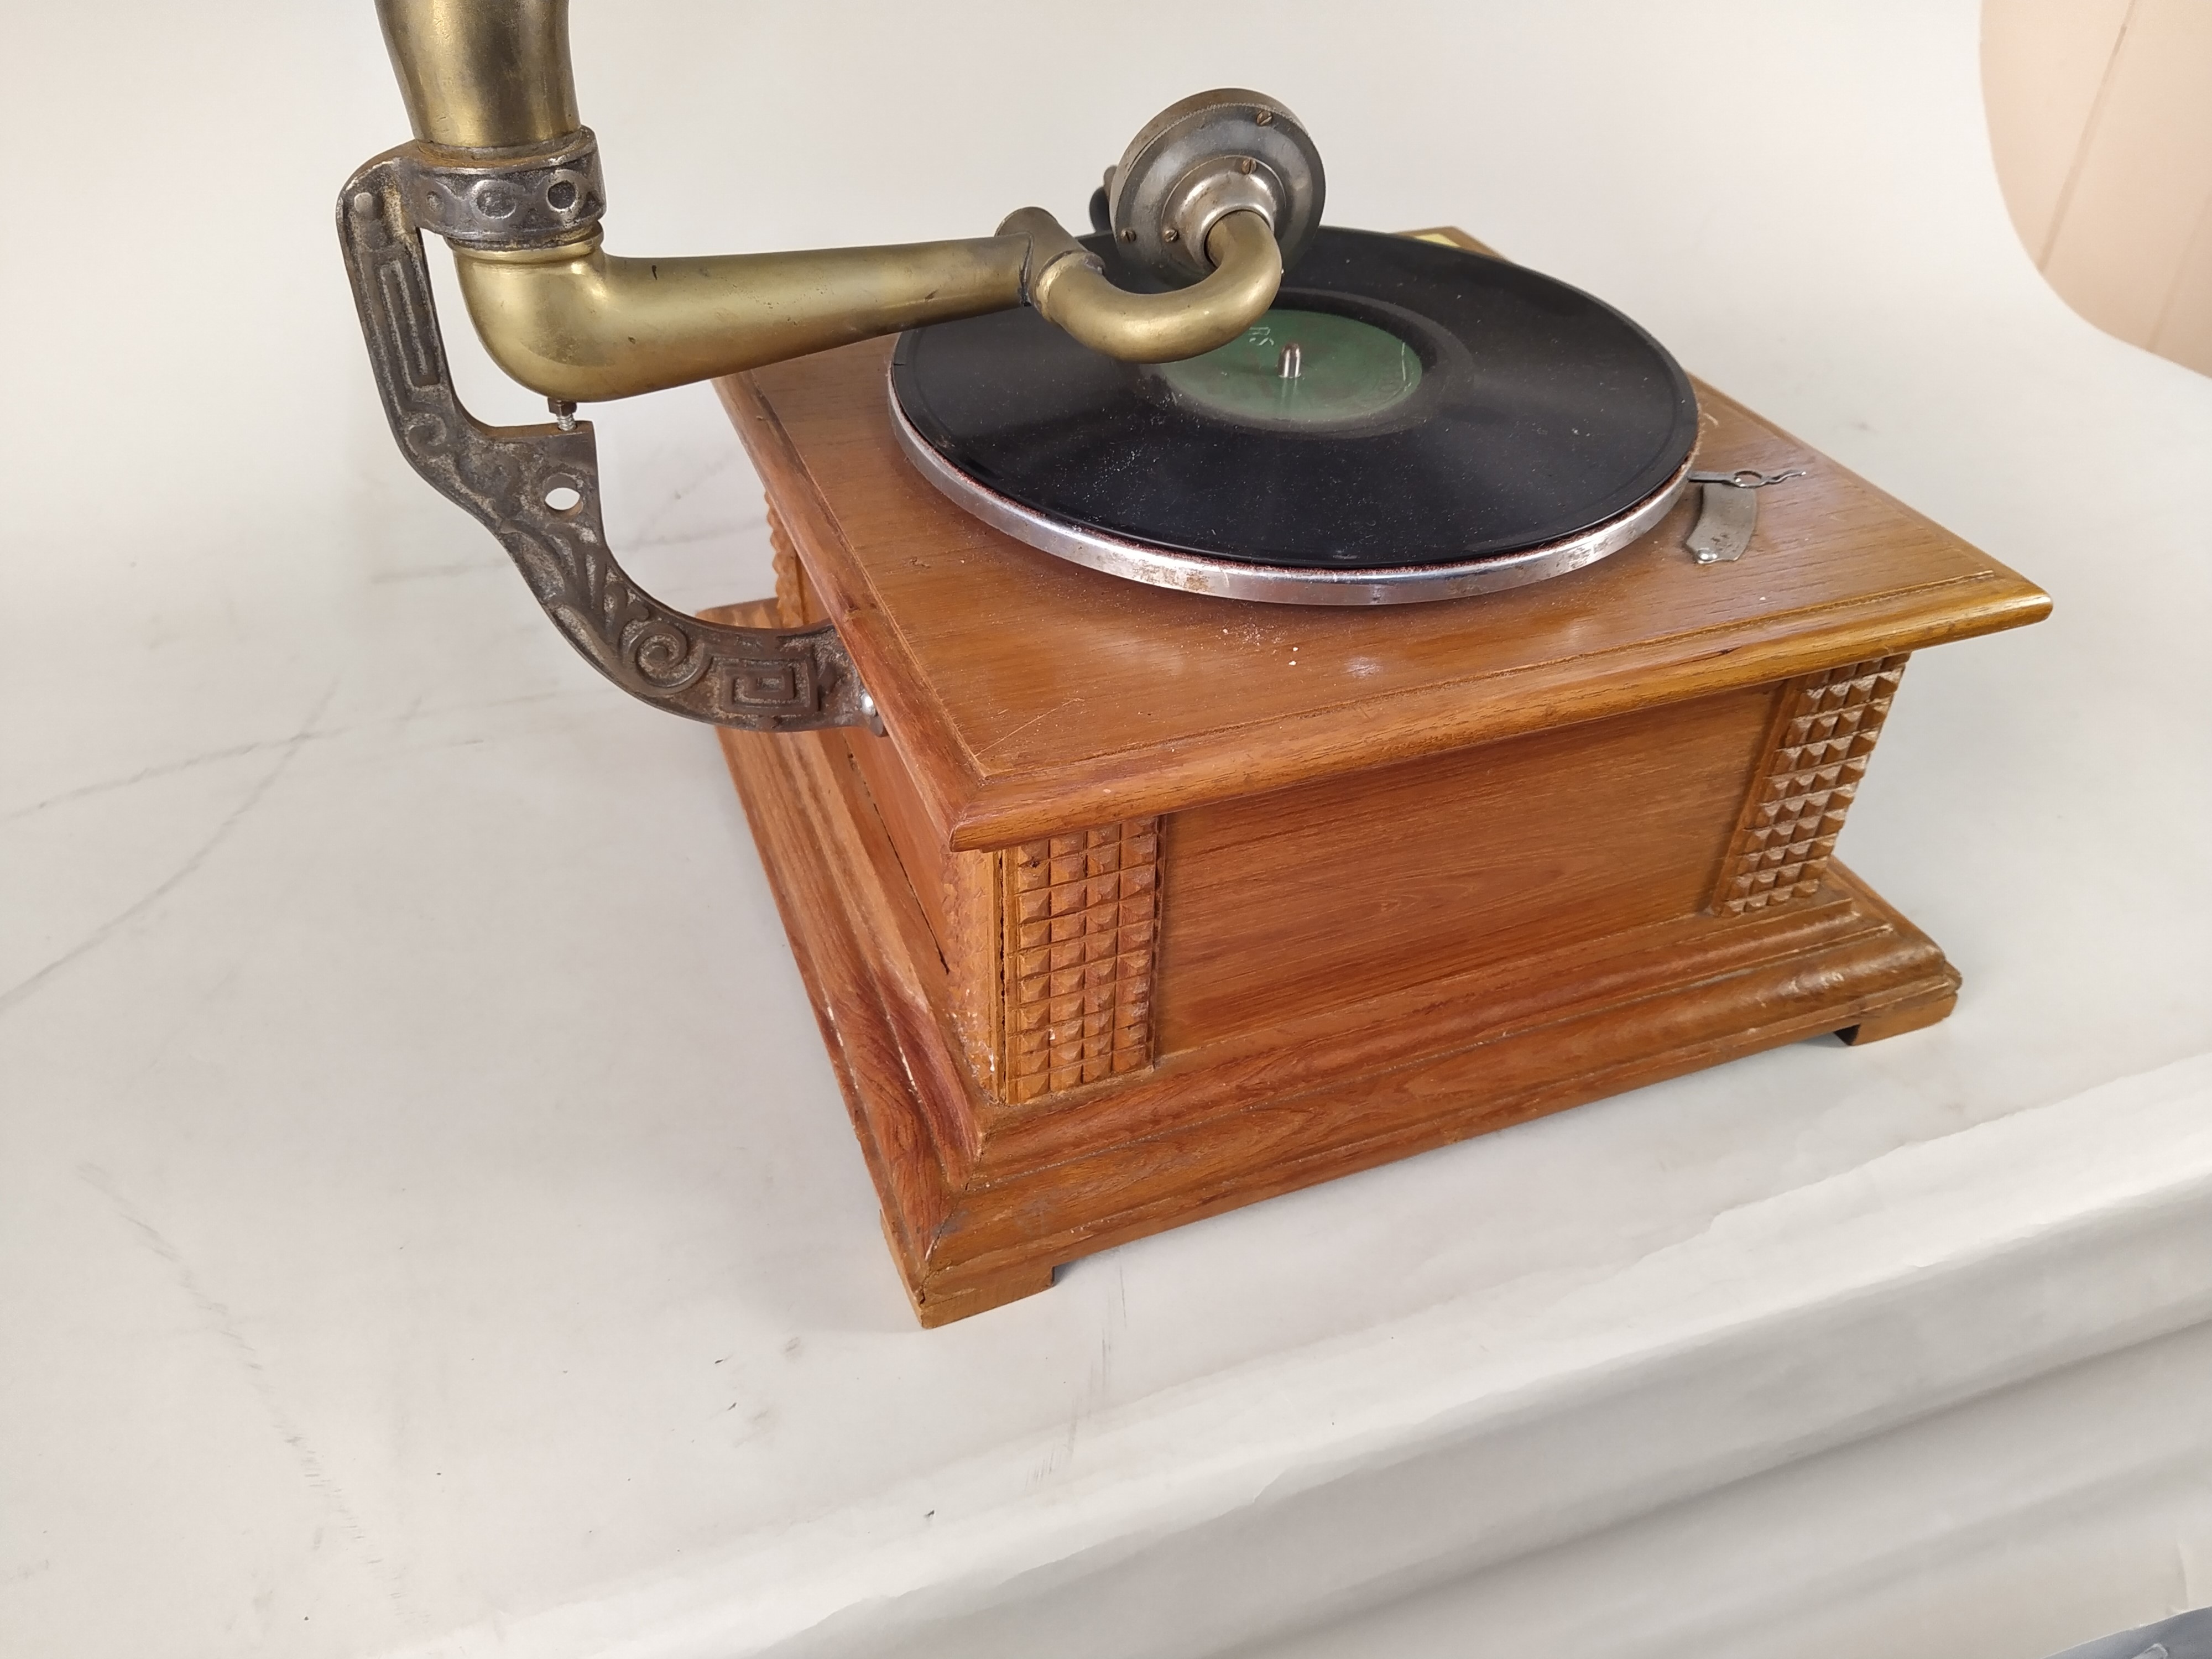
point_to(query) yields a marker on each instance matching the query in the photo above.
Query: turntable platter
(1410, 421)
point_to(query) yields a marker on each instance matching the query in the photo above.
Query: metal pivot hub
(1209, 156)
(536, 488)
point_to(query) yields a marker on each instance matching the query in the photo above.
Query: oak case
(1149, 905)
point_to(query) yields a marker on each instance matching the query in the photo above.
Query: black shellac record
(1446, 408)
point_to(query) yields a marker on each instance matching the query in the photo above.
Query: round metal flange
(1225, 151)
(541, 197)
(1195, 573)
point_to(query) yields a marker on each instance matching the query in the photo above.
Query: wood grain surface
(984, 1195)
(1279, 904)
(1151, 904)
(1025, 693)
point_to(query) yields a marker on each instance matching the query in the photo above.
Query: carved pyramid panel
(1822, 741)
(1082, 918)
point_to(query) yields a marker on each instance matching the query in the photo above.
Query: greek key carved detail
(1823, 738)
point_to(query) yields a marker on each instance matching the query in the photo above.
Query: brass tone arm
(576, 322)
(1209, 198)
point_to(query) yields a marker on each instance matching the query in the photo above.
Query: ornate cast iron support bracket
(537, 489)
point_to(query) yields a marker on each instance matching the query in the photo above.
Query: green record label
(1300, 368)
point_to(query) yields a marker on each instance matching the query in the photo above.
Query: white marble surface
(427, 1221)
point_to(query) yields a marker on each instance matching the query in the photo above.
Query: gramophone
(1244, 700)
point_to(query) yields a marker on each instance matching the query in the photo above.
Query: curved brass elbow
(1158, 328)
(491, 96)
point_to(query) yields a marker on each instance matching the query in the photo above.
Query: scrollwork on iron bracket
(537, 489)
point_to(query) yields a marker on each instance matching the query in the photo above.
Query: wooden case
(1152, 904)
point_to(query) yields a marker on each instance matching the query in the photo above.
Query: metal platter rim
(1195, 572)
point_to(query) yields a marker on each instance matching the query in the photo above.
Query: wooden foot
(948, 1296)
(1896, 1022)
